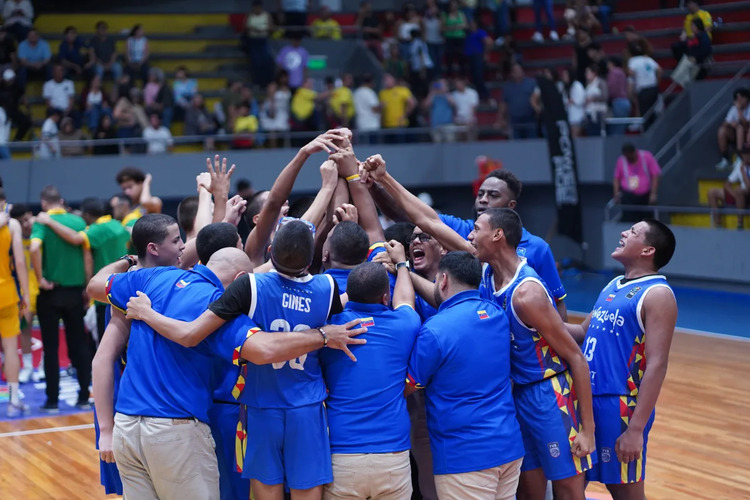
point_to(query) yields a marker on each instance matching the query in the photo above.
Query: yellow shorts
(10, 322)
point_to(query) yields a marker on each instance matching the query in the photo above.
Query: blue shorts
(287, 446)
(611, 416)
(223, 418)
(548, 415)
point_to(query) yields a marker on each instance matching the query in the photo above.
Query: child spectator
(103, 54)
(245, 126)
(137, 53)
(158, 137)
(73, 53)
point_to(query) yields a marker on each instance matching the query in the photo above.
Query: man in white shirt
(646, 74)
(736, 127)
(58, 93)
(367, 109)
(49, 146)
(466, 101)
(158, 137)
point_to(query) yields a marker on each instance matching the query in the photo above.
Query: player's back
(8, 291)
(280, 303)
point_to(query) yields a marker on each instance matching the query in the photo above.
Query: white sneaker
(554, 36)
(24, 375)
(38, 375)
(538, 37)
(723, 164)
(15, 410)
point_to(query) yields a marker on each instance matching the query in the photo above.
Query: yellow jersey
(394, 101)
(703, 16)
(9, 294)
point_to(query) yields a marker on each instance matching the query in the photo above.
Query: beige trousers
(377, 476)
(165, 458)
(420, 444)
(498, 483)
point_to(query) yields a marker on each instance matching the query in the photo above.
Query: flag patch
(182, 284)
(611, 296)
(483, 314)
(367, 322)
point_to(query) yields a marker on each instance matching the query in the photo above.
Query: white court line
(47, 430)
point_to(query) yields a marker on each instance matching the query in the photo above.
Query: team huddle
(313, 358)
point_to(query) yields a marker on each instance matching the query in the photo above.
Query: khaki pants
(420, 444)
(165, 458)
(377, 476)
(498, 483)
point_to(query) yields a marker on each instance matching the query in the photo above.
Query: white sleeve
(46, 90)
(732, 115)
(474, 98)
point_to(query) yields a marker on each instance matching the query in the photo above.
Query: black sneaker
(83, 405)
(50, 408)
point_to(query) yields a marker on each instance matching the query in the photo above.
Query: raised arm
(368, 214)
(425, 288)
(69, 235)
(317, 210)
(152, 204)
(97, 287)
(403, 292)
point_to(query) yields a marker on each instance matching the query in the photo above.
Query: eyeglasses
(422, 237)
(286, 220)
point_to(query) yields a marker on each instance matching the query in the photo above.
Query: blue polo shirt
(36, 54)
(340, 275)
(462, 360)
(537, 252)
(163, 378)
(366, 405)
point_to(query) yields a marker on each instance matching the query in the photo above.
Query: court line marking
(47, 430)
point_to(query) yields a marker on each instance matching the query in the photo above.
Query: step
(120, 23)
(704, 220)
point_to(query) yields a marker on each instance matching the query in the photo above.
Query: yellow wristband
(351, 178)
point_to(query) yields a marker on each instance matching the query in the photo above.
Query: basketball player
(626, 342)
(136, 185)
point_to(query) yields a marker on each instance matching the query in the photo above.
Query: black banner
(562, 158)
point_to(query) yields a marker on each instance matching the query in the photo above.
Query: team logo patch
(182, 284)
(521, 252)
(632, 292)
(483, 314)
(606, 454)
(554, 449)
(611, 296)
(367, 322)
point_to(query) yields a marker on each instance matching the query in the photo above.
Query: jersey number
(282, 325)
(588, 350)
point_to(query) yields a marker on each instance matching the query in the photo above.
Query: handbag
(685, 72)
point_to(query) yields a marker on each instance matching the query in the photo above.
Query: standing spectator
(405, 29)
(454, 31)
(69, 132)
(230, 101)
(372, 32)
(49, 143)
(137, 53)
(477, 43)
(58, 92)
(433, 35)
(441, 107)
(636, 180)
(5, 125)
(34, 56)
(581, 56)
(617, 86)
(197, 119)
(94, 103)
(736, 127)
(397, 103)
(574, 97)
(293, 59)
(341, 102)
(8, 57)
(105, 130)
(596, 101)
(159, 97)
(103, 53)
(294, 15)
(516, 110)
(184, 89)
(12, 96)
(688, 30)
(274, 117)
(325, 26)
(546, 6)
(736, 189)
(466, 101)
(394, 65)
(158, 137)
(73, 53)
(304, 114)
(634, 43)
(367, 110)
(258, 28)
(421, 66)
(500, 18)
(646, 74)
(19, 18)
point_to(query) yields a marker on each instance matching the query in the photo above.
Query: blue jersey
(282, 304)
(534, 249)
(366, 405)
(531, 357)
(615, 340)
(340, 275)
(462, 359)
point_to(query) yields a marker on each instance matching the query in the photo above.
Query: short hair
(243, 184)
(95, 207)
(349, 243)
(102, 24)
(367, 79)
(293, 247)
(509, 221)
(131, 174)
(616, 61)
(367, 283)
(50, 194)
(462, 267)
(18, 210)
(628, 148)
(254, 206)
(298, 207)
(662, 239)
(213, 238)
(742, 92)
(400, 231)
(186, 212)
(514, 184)
(151, 228)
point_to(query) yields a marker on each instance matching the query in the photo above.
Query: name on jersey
(605, 316)
(295, 302)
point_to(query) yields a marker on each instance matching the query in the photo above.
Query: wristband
(131, 261)
(352, 178)
(404, 263)
(325, 337)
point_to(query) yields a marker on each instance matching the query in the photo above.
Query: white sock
(13, 393)
(27, 361)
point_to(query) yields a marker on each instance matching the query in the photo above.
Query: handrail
(611, 207)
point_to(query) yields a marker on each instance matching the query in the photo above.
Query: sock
(27, 361)
(13, 393)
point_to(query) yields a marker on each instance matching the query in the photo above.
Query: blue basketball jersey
(615, 339)
(279, 304)
(532, 358)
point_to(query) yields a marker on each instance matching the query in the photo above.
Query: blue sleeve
(46, 50)
(460, 226)
(424, 310)
(122, 286)
(411, 322)
(545, 267)
(425, 359)
(226, 342)
(23, 51)
(375, 248)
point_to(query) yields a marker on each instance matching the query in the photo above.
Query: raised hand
(395, 251)
(346, 161)
(138, 306)
(203, 180)
(385, 259)
(329, 173)
(346, 212)
(220, 176)
(324, 142)
(236, 206)
(340, 336)
(375, 167)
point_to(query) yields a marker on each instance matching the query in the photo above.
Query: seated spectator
(245, 127)
(441, 108)
(397, 103)
(230, 102)
(433, 36)
(158, 137)
(546, 6)
(8, 57)
(602, 9)
(454, 30)
(369, 26)
(636, 180)
(34, 56)
(515, 110)
(184, 89)
(596, 101)
(478, 42)
(49, 142)
(293, 59)
(158, 97)
(304, 114)
(94, 103)
(198, 121)
(274, 116)
(394, 65)
(574, 98)
(19, 18)
(73, 53)
(617, 88)
(405, 27)
(58, 92)
(736, 190)
(367, 110)
(325, 26)
(341, 103)
(466, 100)
(646, 74)
(12, 96)
(129, 115)
(421, 67)
(137, 53)
(736, 127)
(699, 47)
(69, 132)
(580, 15)
(688, 30)
(121, 88)
(258, 28)
(103, 54)
(105, 130)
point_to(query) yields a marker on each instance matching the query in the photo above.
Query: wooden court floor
(699, 446)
